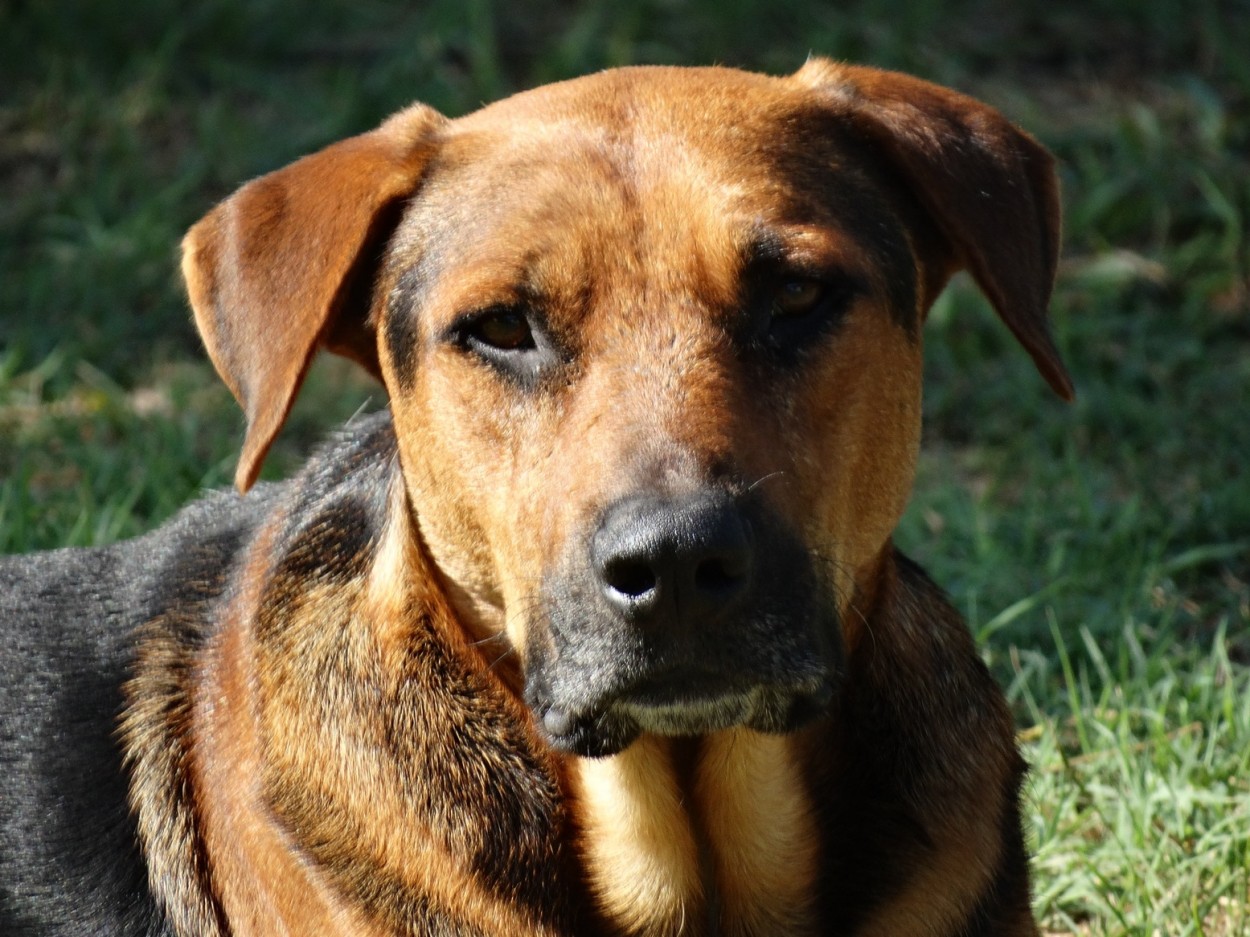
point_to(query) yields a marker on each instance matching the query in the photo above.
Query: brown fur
(341, 743)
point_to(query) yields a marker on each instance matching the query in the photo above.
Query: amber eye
(504, 329)
(797, 297)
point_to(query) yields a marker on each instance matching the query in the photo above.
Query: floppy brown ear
(990, 188)
(270, 271)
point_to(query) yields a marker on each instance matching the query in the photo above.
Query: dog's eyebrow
(783, 242)
(799, 247)
(764, 244)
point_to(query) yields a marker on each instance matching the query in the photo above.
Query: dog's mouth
(682, 704)
(681, 616)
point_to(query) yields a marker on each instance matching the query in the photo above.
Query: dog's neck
(715, 835)
(302, 800)
(701, 836)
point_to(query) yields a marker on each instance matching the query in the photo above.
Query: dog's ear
(989, 187)
(283, 266)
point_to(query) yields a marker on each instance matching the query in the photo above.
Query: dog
(599, 628)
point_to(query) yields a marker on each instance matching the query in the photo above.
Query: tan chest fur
(715, 840)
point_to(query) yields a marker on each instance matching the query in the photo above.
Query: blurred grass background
(1101, 550)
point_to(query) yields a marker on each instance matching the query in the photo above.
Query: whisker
(501, 658)
(759, 481)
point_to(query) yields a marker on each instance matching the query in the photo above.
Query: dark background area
(121, 122)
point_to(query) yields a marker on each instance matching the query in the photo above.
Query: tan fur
(639, 841)
(263, 883)
(726, 849)
(756, 811)
(377, 802)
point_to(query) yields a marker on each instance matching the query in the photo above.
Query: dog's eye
(796, 310)
(503, 329)
(510, 338)
(798, 297)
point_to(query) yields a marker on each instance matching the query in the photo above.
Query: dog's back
(69, 861)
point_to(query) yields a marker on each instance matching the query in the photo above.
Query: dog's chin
(609, 730)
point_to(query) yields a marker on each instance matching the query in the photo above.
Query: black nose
(673, 561)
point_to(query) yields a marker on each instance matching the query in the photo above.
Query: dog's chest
(720, 843)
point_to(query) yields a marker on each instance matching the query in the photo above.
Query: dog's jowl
(599, 628)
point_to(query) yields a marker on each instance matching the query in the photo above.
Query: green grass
(1101, 551)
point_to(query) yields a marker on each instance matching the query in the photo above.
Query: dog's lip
(677, 686)
(693, 714)
(704, 704)
(683, 702)
(669, 690)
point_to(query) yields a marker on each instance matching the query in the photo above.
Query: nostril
(683, 561)
(630, 578)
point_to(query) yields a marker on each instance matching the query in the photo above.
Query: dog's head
(653, 345)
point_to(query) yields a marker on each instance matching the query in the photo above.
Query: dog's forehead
(664, 157)
(651, 127)
(637, 97)
(642, 182)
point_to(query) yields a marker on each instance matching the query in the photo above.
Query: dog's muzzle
(681, 615)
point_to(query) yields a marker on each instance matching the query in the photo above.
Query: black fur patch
(69, 857)
(401, 331)
(70, 620)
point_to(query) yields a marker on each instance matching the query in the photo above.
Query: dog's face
(652, 340)
(677, 388)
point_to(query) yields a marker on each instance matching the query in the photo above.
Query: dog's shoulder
(926, 773)
(919, 666)
(68, 860)
(52, 601)
(72, 621)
